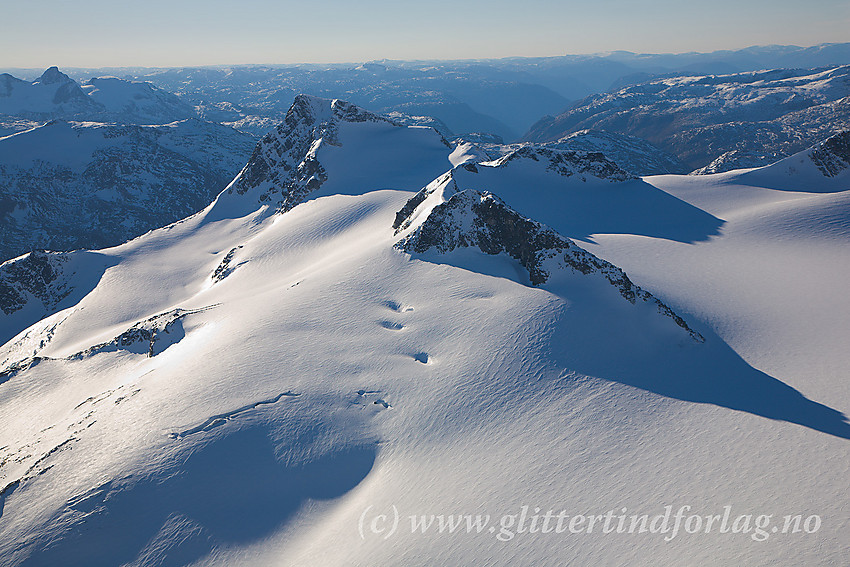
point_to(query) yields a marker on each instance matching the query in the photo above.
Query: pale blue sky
(94, 33)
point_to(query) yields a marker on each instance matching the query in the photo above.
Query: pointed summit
(52, 76)
(338, 147)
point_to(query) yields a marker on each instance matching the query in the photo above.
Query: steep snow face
(88, 185)
(769, 113)
(246, 389)
(579, 194)
(319, 136)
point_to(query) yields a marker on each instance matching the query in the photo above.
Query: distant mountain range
(718, 122)
(501, 96)
(69, 185)
(54, 95)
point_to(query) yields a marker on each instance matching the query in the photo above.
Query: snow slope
(325, 343)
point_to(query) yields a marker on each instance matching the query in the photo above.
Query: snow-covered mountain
(370, 325)
(89, 185)
(497, 96)
(727, 121)
(136, 103)
(632, 154)
(54, 95)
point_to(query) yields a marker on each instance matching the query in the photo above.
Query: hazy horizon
(33, 72)
(98, 34)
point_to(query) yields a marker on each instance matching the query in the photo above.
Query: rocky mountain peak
(478, 219)
(284, 166)
(53, 76)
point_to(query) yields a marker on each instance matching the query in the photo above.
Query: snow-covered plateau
(369, 326)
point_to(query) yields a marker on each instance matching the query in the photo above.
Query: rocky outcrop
(37, 274)
(225, 267)
(568, 162)
(736, 159)
(473, 219)
(149, 337)
(284, 167)
(832, 156)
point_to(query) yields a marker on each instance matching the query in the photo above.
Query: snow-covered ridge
(628, 153)
(455, 218)
(567, 163)
(821, 168)
(632, 154)
(285, 166)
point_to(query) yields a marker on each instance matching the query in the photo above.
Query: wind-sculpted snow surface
(252, 384)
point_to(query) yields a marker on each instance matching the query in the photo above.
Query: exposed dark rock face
(832, 156)
(149, 337)
(224, 269)
(472, 219)
(65, 186)
(284, 164)
(36, 274)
